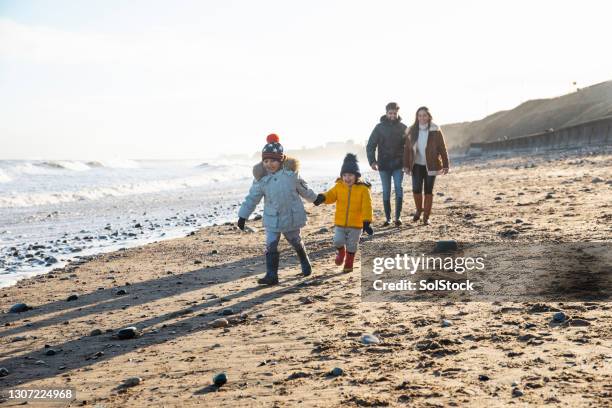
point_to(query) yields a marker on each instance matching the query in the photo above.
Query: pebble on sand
(336, 372)
(19, 307)
(219, 323)
(3, 372)
(517, 393)
(579, 323)
(131, 382)
(127, 333)
(369, 339)
(220, 379)
(559, 317)
(446, 323)
(121, 292)
(72, 297)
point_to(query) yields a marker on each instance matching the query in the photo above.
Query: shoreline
(199, 312)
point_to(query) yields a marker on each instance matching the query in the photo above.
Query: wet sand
(278, 344)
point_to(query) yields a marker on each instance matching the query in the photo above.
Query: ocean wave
(114, 164)
(13, 200)
(64, 164)
(4, 178)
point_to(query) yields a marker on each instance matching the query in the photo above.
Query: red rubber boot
(340, 252)
(348, 263)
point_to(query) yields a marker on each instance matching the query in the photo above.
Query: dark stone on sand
(72, 298)
(483, 377)
(336, 372)
(298, 374)
(578, 323)
(121, 292)
(3, 372)
(517, 393)
(446, 246)
(559, 317)
(509, 233)
(220, 379)
(127, 333)
(19, 308)
(197, 262)
(214, 252)
(257, 217)
(526, 337)
(131, 382)
(50, 260)
(227, 312)
(95, 332)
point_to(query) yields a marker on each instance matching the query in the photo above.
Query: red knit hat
(273, 149)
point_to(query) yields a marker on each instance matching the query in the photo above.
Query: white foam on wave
(4, 178)
(115, 164)
(65, 164)
(13, 200)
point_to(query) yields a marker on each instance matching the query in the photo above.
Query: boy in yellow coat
(353, 210)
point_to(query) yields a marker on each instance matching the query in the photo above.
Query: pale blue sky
(193, 79)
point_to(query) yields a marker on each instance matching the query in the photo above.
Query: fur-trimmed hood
(384, 119)
(290, 163)
(432, 127)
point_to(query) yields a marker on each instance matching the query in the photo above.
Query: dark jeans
(420, 177)
(385, 178)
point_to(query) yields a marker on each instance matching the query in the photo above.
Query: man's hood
(384, 119)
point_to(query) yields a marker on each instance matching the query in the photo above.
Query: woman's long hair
(414, 129)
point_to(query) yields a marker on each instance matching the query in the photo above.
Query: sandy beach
(198, 311)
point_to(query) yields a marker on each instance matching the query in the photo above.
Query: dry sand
(282, 341)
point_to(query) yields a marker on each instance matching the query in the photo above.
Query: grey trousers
(273, 238)
(347, 236)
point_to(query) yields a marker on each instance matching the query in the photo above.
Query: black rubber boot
(398, 211)
(271, 277)
(304, 261)
(387, 207)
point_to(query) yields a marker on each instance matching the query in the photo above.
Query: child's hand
(367, 229)
(319, 200)
(240, 223)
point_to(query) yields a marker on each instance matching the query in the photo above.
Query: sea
(53, 212)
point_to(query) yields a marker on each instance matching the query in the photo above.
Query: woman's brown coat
(436, 155)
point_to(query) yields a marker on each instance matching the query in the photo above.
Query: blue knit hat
(350, 165)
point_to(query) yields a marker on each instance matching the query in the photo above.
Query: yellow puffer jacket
(353, 204)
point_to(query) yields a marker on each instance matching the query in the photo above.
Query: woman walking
(425, 157)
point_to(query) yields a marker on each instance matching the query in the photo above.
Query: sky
(135, 79)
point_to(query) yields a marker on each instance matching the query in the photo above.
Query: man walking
(388, 138)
